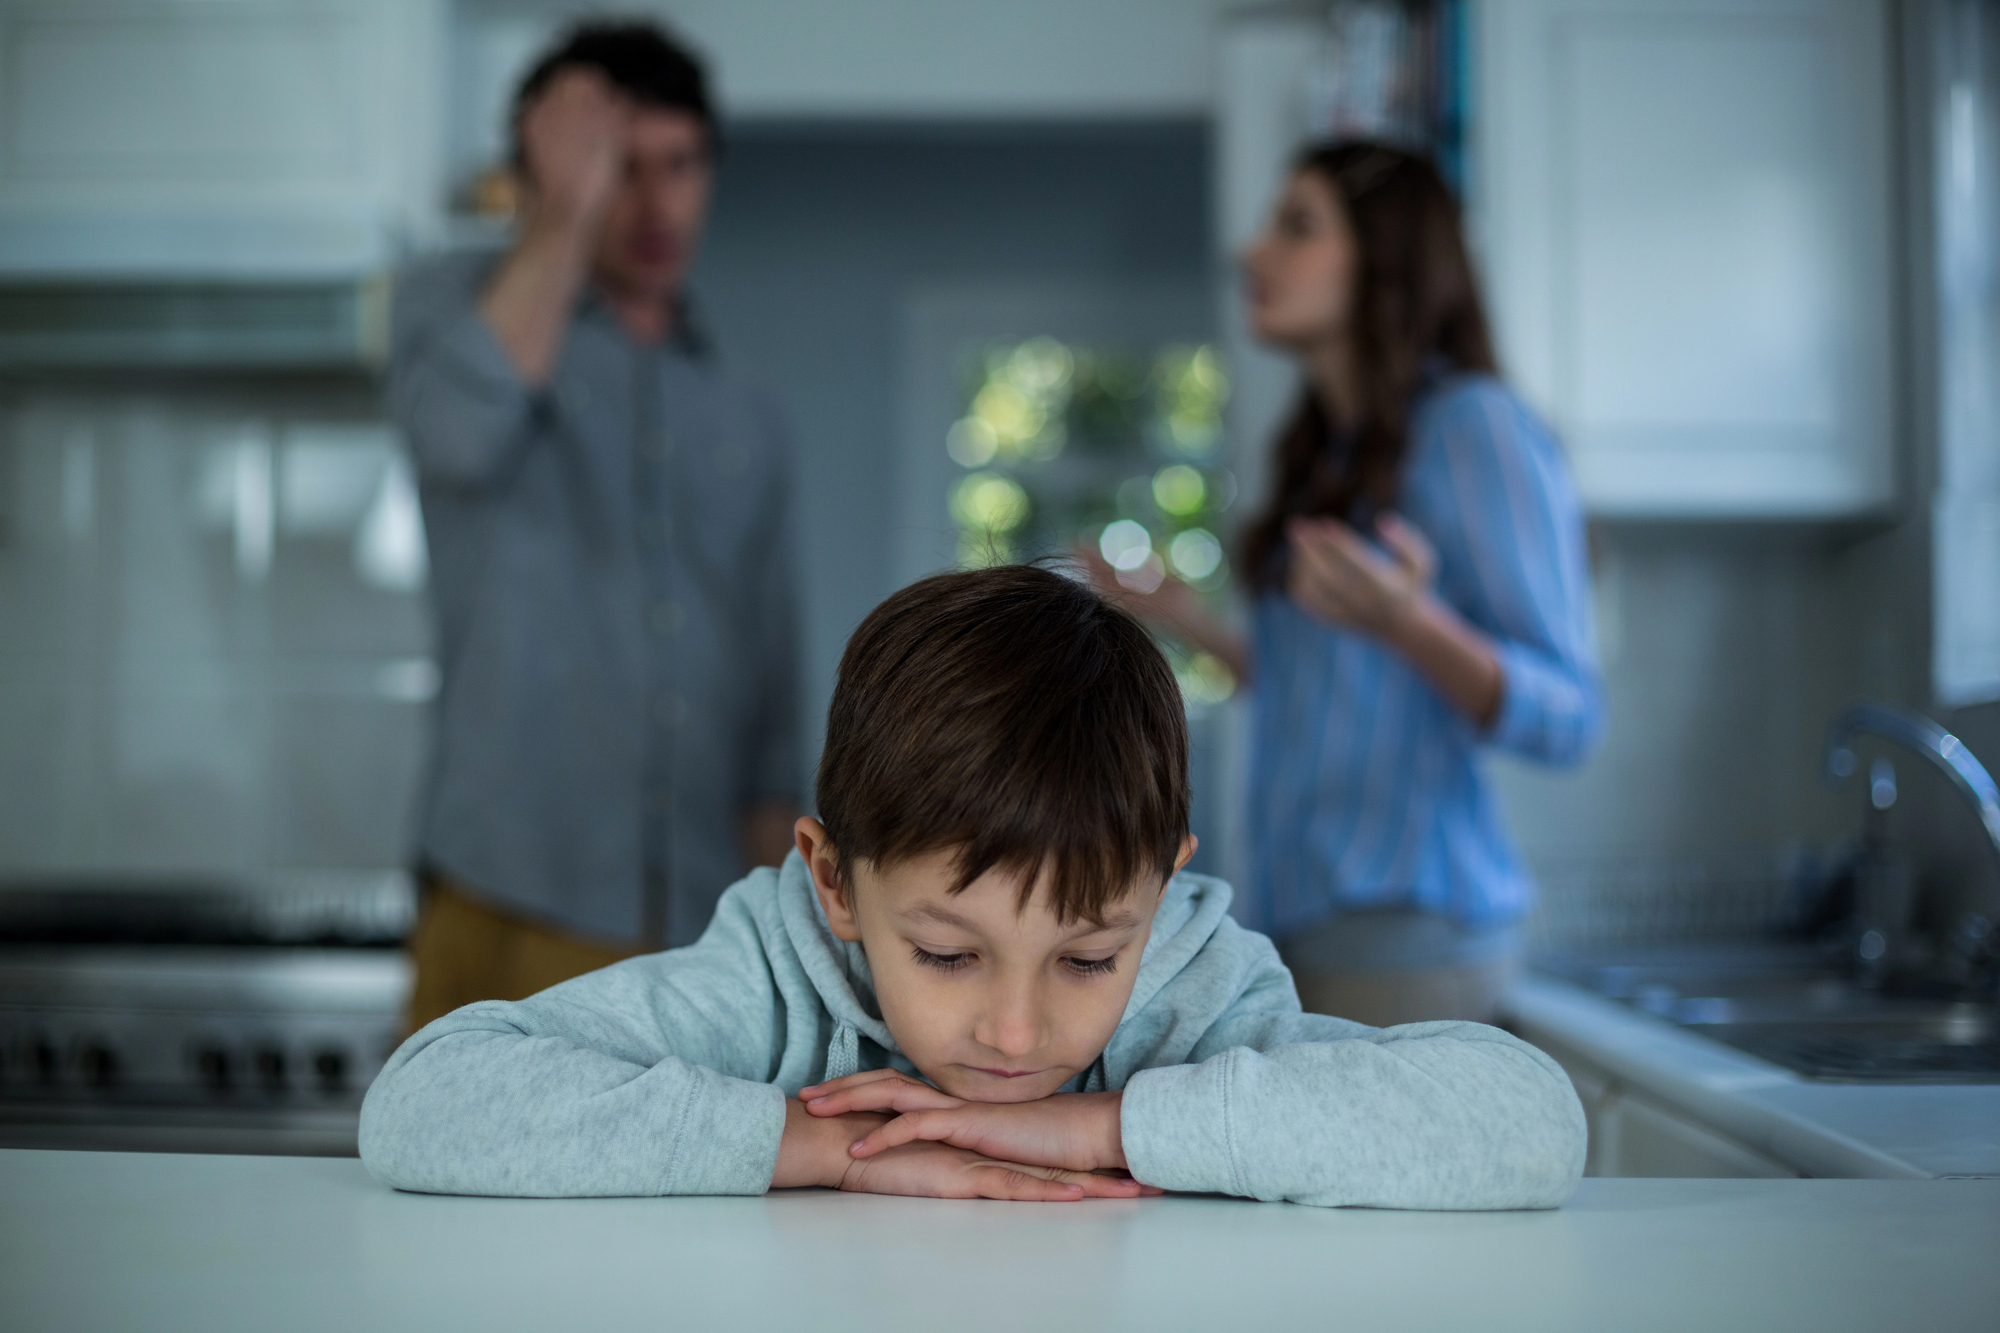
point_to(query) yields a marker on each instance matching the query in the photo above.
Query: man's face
(652, 227)
(992, 1002)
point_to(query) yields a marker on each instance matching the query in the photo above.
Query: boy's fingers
(884, 1095)
(903, 1129)
(1004, 1182)
(850, 1081)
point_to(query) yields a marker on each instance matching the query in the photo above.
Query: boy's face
(989, 1003)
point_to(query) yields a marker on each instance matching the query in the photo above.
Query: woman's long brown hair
(1415, 302)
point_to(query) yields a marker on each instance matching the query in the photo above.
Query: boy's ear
(823, 864)
(1188, 844)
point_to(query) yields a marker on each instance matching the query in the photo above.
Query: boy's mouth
(1007, 1073)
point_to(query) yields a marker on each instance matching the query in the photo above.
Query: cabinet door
(1643, 1138)
(1684, 211)
(171, 136)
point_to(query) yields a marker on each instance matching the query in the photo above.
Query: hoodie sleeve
(1278, 1104)
(648, 1077)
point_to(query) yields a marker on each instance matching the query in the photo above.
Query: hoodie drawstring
(843, 1053)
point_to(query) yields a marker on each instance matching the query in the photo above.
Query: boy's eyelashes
(943, 962)
(952, 962)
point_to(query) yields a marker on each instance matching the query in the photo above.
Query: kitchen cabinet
(1665, 1100)
(1632, 1134)
(220, 138)
(1684, 208)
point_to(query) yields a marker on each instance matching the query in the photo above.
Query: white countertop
(113, 1241)
(1892, 1131)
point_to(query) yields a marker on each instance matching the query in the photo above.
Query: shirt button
(664, 617)
(669, 709)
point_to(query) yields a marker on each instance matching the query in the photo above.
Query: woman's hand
(1342, 580)
(1156, 597)
(1338, 577)
(1168, 605)
(1072, 1131)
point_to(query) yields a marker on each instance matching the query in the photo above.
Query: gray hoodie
(668, 1074)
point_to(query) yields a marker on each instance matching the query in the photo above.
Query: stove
(199, 1019)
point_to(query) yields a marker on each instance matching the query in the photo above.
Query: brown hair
(638, 58)
(1015, 715)
(1415, 300)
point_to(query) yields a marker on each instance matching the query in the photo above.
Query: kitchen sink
(1790, 1008)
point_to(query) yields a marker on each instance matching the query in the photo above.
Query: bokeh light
(971, 442)
(1196, 554)
(989, 502)
(1125, 545)
(1179, 490)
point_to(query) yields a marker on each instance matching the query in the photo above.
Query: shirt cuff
(471, 344)
(1533, 703)
(725, 1141)
(1174, 1126)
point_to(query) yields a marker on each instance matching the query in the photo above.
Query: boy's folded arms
(1077, 1131)
(821, 1147)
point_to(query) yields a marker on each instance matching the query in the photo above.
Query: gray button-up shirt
(611, 573)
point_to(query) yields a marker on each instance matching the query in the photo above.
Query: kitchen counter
(113, 1241)
(1893, 1131)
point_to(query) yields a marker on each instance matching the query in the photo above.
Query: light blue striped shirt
(1366, 787)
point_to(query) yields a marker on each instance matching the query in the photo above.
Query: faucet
(1948, 754)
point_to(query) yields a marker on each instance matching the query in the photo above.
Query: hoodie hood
(1191, 912)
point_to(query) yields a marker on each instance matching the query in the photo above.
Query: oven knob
(42, 1058)
(98, 1063)
(270, 1062)
(331, 1066)
(212, 1063)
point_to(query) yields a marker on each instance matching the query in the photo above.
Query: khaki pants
(1415, 995)
(1385, 967)
(466, 951)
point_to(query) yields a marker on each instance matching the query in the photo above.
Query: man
(607, 508)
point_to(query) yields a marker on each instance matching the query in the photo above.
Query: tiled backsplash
(215, 649)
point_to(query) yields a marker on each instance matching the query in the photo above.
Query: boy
(981, 975)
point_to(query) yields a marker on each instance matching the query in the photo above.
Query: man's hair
(639, 59)
(1015, 715)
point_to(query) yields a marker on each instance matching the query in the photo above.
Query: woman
(1419, 593)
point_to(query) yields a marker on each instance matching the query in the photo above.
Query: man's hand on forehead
(1070, 1131)
(573, 137)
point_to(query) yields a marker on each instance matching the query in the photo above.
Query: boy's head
(1004, 794)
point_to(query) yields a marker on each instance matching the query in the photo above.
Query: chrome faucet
(1947, 753)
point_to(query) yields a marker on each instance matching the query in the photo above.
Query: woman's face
(1300, 274)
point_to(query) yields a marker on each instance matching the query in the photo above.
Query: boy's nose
(1012, 1025)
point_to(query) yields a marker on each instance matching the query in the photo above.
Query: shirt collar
(690, 335)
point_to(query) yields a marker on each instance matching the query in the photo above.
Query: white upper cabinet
(226, 137)
(1684, 207)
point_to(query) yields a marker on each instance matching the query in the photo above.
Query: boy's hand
(815, 1150)
(1075, 1131)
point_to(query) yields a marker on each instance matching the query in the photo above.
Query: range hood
(325, 324)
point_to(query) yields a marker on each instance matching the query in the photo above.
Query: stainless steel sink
(1791, 1009)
